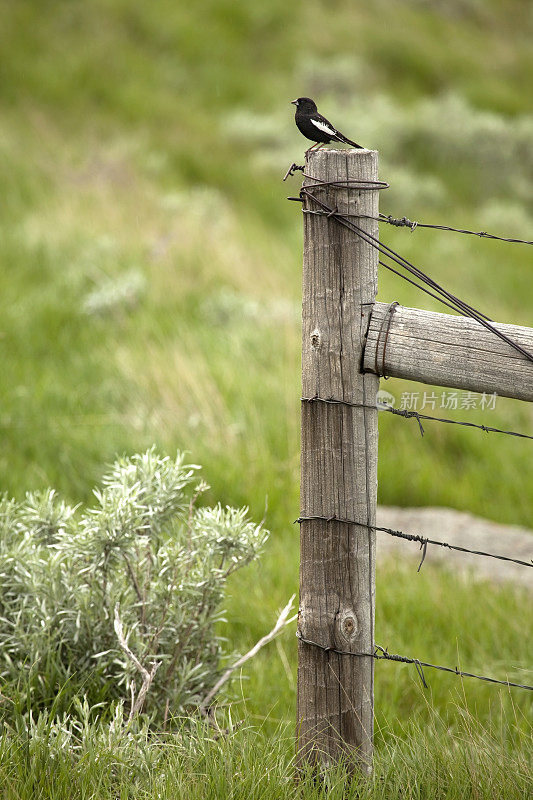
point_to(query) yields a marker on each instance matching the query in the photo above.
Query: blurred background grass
(150, 269)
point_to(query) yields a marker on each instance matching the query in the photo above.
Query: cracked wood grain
(446, 350)
(338, 470)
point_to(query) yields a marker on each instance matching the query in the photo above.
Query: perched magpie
(316, 127)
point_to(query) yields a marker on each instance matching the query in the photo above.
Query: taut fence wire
(407, 414)
(382, 653)
(404, 222)
(413, 537)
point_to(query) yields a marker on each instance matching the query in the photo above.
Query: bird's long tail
(343, 138)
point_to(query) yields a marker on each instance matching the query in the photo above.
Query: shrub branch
(148, 676)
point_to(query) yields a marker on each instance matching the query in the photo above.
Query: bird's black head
(305, 104)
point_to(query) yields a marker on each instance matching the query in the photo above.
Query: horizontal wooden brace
(447, 350)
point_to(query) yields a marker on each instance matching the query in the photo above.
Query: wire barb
(294, 167)
(406, 414)
(398, 223)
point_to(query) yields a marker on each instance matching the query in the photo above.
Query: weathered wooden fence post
(338, 469)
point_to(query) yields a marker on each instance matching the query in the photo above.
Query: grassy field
(149, 292)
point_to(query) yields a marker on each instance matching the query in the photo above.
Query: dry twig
(281, 623)
(147, 676)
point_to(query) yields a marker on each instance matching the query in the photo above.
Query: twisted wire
(405, 222)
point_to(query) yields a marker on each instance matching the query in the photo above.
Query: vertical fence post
(338, 470)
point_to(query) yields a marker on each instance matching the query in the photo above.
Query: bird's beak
(294, 102)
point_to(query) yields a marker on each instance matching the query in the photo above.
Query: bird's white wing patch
(322, 126)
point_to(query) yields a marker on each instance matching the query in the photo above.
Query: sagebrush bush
(144, 559)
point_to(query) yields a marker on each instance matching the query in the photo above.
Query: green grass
(141, 151)
(249, 763)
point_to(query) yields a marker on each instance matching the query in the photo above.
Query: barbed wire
(380, 653)
(464, 308)
(444, 295)
(408, 414)
(340, 183)
(387, 251)
(405, 222)
(412, 537)
(402, 222)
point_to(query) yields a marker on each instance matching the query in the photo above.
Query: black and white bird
(316, 127)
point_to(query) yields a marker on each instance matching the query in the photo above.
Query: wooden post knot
(316, 339)
(349, 626)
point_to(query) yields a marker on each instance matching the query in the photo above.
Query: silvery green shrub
(145, 552)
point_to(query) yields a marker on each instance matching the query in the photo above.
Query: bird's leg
(313, 147)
